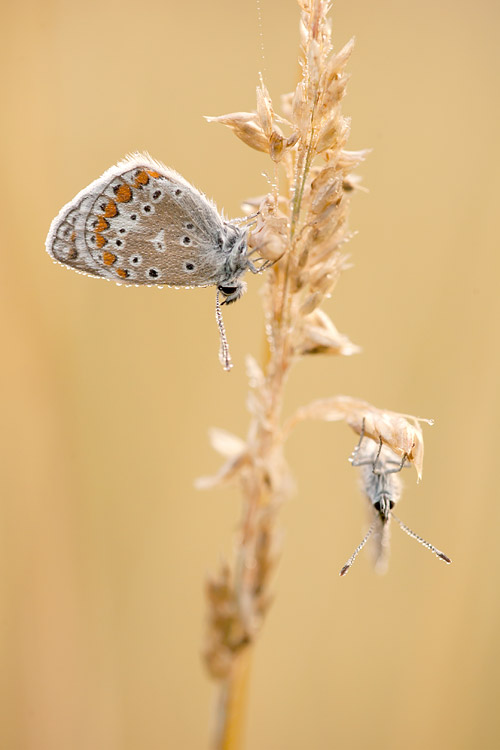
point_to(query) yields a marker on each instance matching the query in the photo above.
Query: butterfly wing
(65, 241)
(141, 223)
(381, 538)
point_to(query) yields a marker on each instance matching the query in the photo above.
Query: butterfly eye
(232, 293)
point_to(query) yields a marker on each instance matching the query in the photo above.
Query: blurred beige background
(108, 392)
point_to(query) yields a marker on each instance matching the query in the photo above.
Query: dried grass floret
(402, 433)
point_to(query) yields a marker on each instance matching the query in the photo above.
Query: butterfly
(143, 223)
(380, 479)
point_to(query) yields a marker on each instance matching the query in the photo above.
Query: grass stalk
(303, 231)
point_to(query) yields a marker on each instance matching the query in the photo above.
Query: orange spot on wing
(141, 178)
(73, 236)
(108, 258)
(110, 210)
(124, 194)
(122, 273)
(99, 240)
(102, 224)
(152, 173)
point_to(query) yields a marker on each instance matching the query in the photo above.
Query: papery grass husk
(303, 230)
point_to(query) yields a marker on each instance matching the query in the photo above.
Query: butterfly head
(383, 506)
(232, 291)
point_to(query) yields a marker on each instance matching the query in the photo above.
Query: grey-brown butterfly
(380, 479)
(142, 223)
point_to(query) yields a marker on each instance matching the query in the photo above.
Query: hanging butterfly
(142, 223)
(380, 479)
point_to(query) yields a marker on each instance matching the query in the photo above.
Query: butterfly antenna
(357, 550)
(421, 541)
(224, 355)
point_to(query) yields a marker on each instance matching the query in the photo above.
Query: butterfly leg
(398, 466)
(355, 452)
(356, 459)
(258, 269)
(244, 219)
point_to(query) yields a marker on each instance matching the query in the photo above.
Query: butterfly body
(381, 484)
(142, 223)
(380, 479)
(382, 487)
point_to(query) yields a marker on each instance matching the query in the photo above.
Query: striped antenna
(224, 355)
(421, 541)
(357, 550)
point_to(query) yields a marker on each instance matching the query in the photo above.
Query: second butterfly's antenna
(357, 550)
(224, 355)
(421, 541)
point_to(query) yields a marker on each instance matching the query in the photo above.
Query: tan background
(107, 392)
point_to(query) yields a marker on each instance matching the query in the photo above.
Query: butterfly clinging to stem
(381, 483)
(142, 223)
